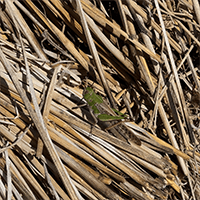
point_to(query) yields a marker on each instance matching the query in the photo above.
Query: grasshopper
(105, 116)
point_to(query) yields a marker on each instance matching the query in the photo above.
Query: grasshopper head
(87, 92)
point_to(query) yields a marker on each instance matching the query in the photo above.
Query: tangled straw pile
(142, 57)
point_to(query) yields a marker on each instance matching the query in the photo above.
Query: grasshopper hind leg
(125, 132)
(133, 138)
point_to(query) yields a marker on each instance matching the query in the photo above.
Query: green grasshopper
(106, 116)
